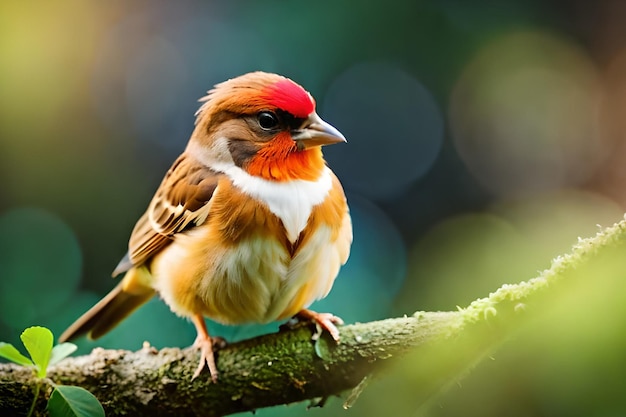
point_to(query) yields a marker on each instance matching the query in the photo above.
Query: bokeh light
(156, 74)
(467, 256)
(156, 66)
(524, 114)
(611, 179)
(393, 125)
(40, 265)
(552, 222)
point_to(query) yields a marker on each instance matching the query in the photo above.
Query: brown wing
(181, 202)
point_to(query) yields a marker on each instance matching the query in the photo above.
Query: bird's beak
(316, 132)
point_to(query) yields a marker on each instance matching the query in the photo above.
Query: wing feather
(181, 202)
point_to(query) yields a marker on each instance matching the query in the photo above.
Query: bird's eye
(267, 120)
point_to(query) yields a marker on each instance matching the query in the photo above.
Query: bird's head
(265, 124)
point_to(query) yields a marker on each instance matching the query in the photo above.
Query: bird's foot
(323, 321)
(207, 346)
(207, 356)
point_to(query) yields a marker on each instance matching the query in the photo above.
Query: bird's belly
(245, 282)
(257, 280)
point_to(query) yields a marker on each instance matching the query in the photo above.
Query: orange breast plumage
(270, 250)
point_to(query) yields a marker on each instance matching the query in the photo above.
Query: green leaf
(61, 351)
(8, 351)
(38, 341)
(70, 401)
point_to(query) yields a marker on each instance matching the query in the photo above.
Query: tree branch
(288, 366)
(273, 369)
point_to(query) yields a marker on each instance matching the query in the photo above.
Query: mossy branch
(288, 366)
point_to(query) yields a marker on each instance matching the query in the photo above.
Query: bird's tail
(127, 296)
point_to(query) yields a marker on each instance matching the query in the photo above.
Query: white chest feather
(292, 201)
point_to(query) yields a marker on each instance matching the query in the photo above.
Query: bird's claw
(323, 321)
(207, 356)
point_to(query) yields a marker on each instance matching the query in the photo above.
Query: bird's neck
(280, 160)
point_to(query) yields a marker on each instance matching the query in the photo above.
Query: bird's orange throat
(281, 160)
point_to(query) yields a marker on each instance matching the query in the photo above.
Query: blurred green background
(483, 138)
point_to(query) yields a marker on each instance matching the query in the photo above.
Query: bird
(249, 225)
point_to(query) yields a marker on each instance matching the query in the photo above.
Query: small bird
(248, 225)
